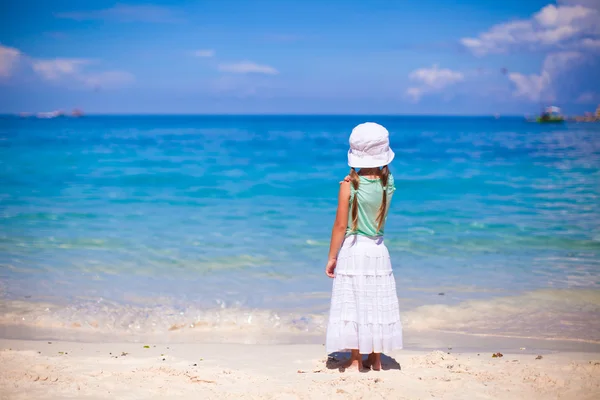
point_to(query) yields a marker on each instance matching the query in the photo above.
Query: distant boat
(551, 115)
(52, 114)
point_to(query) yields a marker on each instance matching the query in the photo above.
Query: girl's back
(369, 198)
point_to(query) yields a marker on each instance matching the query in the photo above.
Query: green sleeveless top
(370, 195)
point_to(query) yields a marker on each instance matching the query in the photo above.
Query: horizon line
(109, 114)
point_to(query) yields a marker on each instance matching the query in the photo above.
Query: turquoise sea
(184, 226)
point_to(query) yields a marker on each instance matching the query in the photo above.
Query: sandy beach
(61, 370)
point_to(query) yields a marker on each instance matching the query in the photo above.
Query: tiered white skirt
(364, 311)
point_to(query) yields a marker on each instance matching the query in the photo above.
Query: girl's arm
(339, 226)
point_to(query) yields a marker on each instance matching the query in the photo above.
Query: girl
(364, 315)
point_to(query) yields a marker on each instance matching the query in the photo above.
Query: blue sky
(278, 56)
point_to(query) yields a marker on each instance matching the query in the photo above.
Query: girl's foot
(354, 363)
(373, 362)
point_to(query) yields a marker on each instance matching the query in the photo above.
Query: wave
(568, 315)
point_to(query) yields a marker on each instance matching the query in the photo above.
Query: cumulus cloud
(9, 57)
(432, 80)
(568, 26)
(539, 87)
(568, 33)
(203, 53)
(530, 86)
(124, 13)
(248, 67)
(558, 62)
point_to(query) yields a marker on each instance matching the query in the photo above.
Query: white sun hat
(369, 146)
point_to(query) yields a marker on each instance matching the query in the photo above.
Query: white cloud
(435, 77)
(568, 33)
(564, 26)
(124, 13)
(64, 71)
(73, 70)
(558, 62)
(531, 86)
(58, 68)
(203, 53)
(539, 87)
(248, 67)
(9, 57)
(552, 16)
(432, 80)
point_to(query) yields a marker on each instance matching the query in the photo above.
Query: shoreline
(555, 320)
(48, 370)
(419, 340)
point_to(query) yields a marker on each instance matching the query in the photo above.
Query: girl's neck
(370, 172)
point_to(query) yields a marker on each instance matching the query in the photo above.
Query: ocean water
(183, 226)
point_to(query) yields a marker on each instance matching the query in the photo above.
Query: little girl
(364, 315)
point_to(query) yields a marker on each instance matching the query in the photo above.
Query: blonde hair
(384, 174)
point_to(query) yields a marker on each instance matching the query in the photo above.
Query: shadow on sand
(337, 360)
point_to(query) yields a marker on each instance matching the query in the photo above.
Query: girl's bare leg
(355, 361)
(374, 361)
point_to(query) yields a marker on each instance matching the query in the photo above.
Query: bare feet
(373, 362)
(354, 363)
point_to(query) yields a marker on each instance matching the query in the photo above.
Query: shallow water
(145, 223)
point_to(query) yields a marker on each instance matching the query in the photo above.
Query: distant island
(587, 117)
(552, 115)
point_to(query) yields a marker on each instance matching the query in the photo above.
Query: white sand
(62, 370)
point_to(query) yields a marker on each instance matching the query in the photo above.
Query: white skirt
(364, 311)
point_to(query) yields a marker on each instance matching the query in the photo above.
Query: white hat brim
(367, 161)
